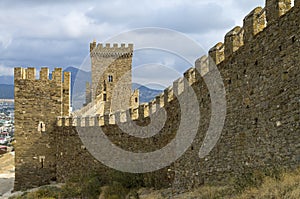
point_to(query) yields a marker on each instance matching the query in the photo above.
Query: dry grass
(281, 186)
(7, 163)
(287, 187)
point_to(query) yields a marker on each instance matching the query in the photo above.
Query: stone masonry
(111, 74)
(37, 104)
(259, 64)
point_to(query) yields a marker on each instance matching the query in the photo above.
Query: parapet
(44, 73)
(233, 41)
(202, 65)
(254, 23)
(190, 75)
(217, 53)
(277, 8)
(19, 73)
(23, 73)
(169, 94)
(30, 74)
(107, 50)
(178, 86)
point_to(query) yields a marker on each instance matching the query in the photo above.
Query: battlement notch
(19, 73)
(254, 23)
(190, 75)
(107, 50)
(30, 73)
(44, 73)
(233, 41)
(276, 8)
(169, 94)
(57, 75)
(202, 66)
(217, 53)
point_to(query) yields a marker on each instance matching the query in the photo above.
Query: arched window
(41, 127)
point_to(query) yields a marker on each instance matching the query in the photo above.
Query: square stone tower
(38, 103)
(111, 75)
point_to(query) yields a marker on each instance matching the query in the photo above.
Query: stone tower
(38, 103)
(111, 75)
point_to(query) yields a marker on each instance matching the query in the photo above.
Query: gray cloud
(57, 33)
(247, 5)
(184, 17)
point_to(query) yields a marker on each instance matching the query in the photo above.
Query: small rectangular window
(104, 97)
(110, 78)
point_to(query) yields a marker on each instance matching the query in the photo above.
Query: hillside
(146, 94)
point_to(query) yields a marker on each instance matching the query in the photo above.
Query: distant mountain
(7, 80)
(6, 91)
(78, 82)
(146, 94)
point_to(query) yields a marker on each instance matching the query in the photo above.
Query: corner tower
(111, 74)
(38, 103)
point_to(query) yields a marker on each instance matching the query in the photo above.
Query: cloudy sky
(57, 33)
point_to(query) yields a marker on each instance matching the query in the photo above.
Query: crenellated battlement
(233, 41)
(254, 23)
(83, 119)
(30, 74)
(106, 50)
(276, 8)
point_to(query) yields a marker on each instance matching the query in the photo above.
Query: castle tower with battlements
(38, 102)
(111, 76)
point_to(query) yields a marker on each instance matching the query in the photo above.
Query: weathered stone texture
(111, 74)
(261, 78)
(37, 104)
(276, 8)
(254, 23)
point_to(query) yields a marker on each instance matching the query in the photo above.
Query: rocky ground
(7, 174)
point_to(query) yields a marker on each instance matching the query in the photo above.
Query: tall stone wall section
(260, 69)
(38, 102)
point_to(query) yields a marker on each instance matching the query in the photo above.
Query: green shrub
(84, 186)
(116, 191)
(46, 192)
(127, 180)
(255, 178)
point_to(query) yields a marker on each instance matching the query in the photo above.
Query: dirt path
(7, 174)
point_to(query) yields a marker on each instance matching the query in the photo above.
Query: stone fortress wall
(259, 64)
